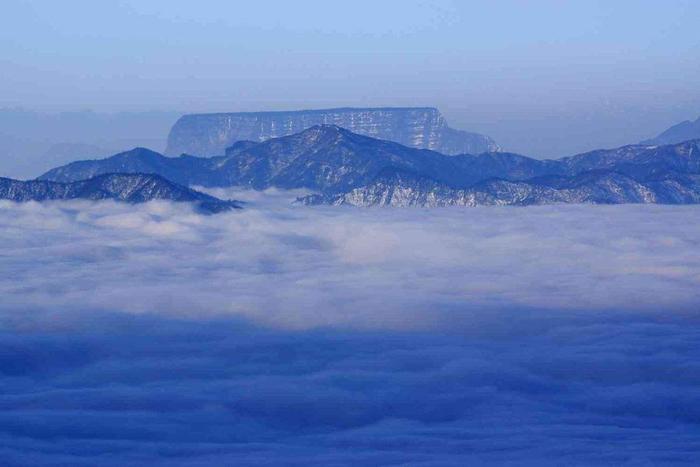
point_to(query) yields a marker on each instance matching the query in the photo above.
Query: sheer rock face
(131, 188)
(424, 128)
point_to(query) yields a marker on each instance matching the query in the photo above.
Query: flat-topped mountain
(347, 168)
(130, 188)
(418, 127)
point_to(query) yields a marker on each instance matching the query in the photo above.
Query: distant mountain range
(418, 127)
(683, 131)
(326, 158)
(347, 168)
(128, 187)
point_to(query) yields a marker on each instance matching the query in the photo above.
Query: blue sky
(535, 75)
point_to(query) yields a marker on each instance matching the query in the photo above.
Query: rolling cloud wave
(150, 334)
(301, 267)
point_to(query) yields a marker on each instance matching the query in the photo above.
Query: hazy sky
(543, 77)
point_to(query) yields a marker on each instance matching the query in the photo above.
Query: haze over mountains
(347, 168)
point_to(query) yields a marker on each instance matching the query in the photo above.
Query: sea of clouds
(134, 334)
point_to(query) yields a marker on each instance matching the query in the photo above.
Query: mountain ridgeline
(347, 168)
(419, 127)
(325, 158)
(127, 187)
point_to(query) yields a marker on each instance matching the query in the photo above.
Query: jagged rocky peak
(418, 127)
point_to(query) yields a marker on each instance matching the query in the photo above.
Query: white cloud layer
(559, 335)
(303, 267)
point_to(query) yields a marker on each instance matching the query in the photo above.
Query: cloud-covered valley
(290, 335)
(301, 267)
